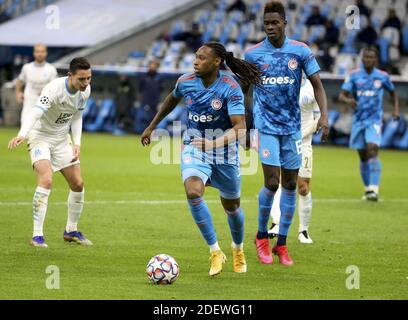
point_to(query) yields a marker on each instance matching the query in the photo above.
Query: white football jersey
(35, 77)
(59, 106)
(309, 108)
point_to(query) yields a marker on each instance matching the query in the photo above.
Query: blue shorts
(224, 177)
(281, 150)
(362, 133)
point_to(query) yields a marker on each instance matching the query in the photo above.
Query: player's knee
(232, 208)
(45, 182)
(272, 185)
(194, 193)
(77, 186)
(372, 151)
(289, 184)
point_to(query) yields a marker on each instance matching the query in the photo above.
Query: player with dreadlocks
(216, 114)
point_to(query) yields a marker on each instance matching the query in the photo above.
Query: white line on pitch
(169, 202)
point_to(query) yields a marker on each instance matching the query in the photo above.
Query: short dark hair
(79, 63)
(372, 49)
(275, 7)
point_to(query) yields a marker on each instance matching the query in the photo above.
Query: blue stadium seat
(349, 42)
(105, 119)
(402, 143)
(243, 34)
(384, 45)
(405, 38)
(326, 10)
(392, 129)
(225, 33)
(208, 34)
(90, 112)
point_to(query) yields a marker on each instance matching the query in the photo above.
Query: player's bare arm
(168, 105)
(19, 92)
(35, 115)
(237, 132)
(76, 133)
(321, 99)
(395, 104)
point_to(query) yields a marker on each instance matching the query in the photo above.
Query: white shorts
(305, 170)
(59, 153)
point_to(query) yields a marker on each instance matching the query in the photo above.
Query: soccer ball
(162, 269)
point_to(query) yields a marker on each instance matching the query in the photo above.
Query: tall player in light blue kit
(363, 91)
(216, 109)
(277, 119)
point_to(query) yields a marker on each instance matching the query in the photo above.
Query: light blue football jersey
(276, 100)
(368, 90)
(209, 109)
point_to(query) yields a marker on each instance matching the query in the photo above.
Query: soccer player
(363, 91)
(34, 76)
(277, 118)
(310, 114)
(47, 127)
(210, 154)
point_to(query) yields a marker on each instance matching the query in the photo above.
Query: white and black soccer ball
(162, 269)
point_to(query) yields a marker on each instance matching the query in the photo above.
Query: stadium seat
(405, 38)
(391, 129)
(90, 112)
(186, 64)
(105, 118)
(402, 143)
(384, 45)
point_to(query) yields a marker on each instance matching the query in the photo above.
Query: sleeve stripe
(40, 107)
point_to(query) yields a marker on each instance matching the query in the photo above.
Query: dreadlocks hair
(246, 72)
(275, 7)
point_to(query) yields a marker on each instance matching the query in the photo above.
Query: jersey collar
(67, 88)
(270, 45)
(366, 73)
(212, 85)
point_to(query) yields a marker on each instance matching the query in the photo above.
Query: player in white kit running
(34, 76)
(310, 114)
(57, 111)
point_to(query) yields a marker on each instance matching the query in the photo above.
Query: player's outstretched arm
(167, 106)
(321, 99)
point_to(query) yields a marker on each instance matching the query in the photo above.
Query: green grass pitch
(135, 210)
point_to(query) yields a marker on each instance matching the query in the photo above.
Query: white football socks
(373, 187)
(237, 246)
(75, 206)
(305, 211)
(275, 211)
(214, 247)
(40, 203)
